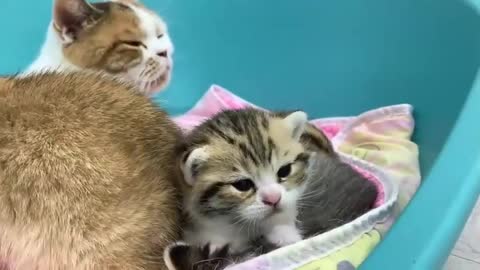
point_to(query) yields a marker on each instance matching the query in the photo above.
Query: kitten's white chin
(283, 235)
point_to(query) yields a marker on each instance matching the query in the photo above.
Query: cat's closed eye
(134, 43)
(243, 185)
(160, 36)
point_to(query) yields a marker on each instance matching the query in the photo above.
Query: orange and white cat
(88, 175)
(120, 37)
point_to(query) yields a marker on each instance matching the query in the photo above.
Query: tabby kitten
(87, 175)
(325, 192)
(255, 175)
(246, 169)
(120, 37)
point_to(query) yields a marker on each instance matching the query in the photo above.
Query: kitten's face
(246, 165)
(120, 37)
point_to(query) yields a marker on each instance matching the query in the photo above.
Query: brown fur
(87, 175)
(313, 138)
(132, 2)
(122, 38)
(335, 192)
(212, 135)
(98, 46)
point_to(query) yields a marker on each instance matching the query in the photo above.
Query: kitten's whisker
(238, 220)
(248, 229)
(336, 219)
(310, 192)
(316, 192)
(306, 204)
(252, 223)
(310, 196)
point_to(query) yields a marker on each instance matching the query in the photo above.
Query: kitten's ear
(177, 256)
(316, 140)
(192, 162)
(182, 256)
(72, 16)
(296, 122)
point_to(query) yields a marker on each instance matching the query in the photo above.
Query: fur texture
(182, 256)
(120, 37)
(87, 175)
(247, 170)
(336, 194)
(329, 192)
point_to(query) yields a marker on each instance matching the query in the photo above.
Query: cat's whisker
(311, 192)
(306, 206)
(307, 203)
(314, 192)
(252, 223)
(243, 226)
(306, 197)
(239, 220)
(309, 196)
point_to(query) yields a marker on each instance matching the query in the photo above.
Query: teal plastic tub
(331, 58)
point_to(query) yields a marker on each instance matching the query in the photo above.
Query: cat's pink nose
(271, 198)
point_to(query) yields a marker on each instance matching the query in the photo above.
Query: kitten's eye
(160, 36)
(243, 185)
(284, 171)
(134, 43)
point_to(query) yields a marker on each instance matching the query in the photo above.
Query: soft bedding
(378, 144)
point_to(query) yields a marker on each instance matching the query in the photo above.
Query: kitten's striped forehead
(248, 132)
(251, 145)
(255, 136)
(244, 144)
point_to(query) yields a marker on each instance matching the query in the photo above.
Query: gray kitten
(339, 194)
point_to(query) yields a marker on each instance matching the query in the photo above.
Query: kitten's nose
(162, 54)
(271, 198)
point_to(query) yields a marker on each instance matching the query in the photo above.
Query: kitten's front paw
(214, 248)
(283, 235)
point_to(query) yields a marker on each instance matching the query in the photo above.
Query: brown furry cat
(87, 175)
(122, 38)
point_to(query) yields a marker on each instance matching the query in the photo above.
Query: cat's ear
(182, 256)
(316, 140)
(192, 162)
(72, 16)
(296, 122)
(177, 256)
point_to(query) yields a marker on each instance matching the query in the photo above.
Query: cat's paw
(210, 250)
(283, 235)
(213, 248)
